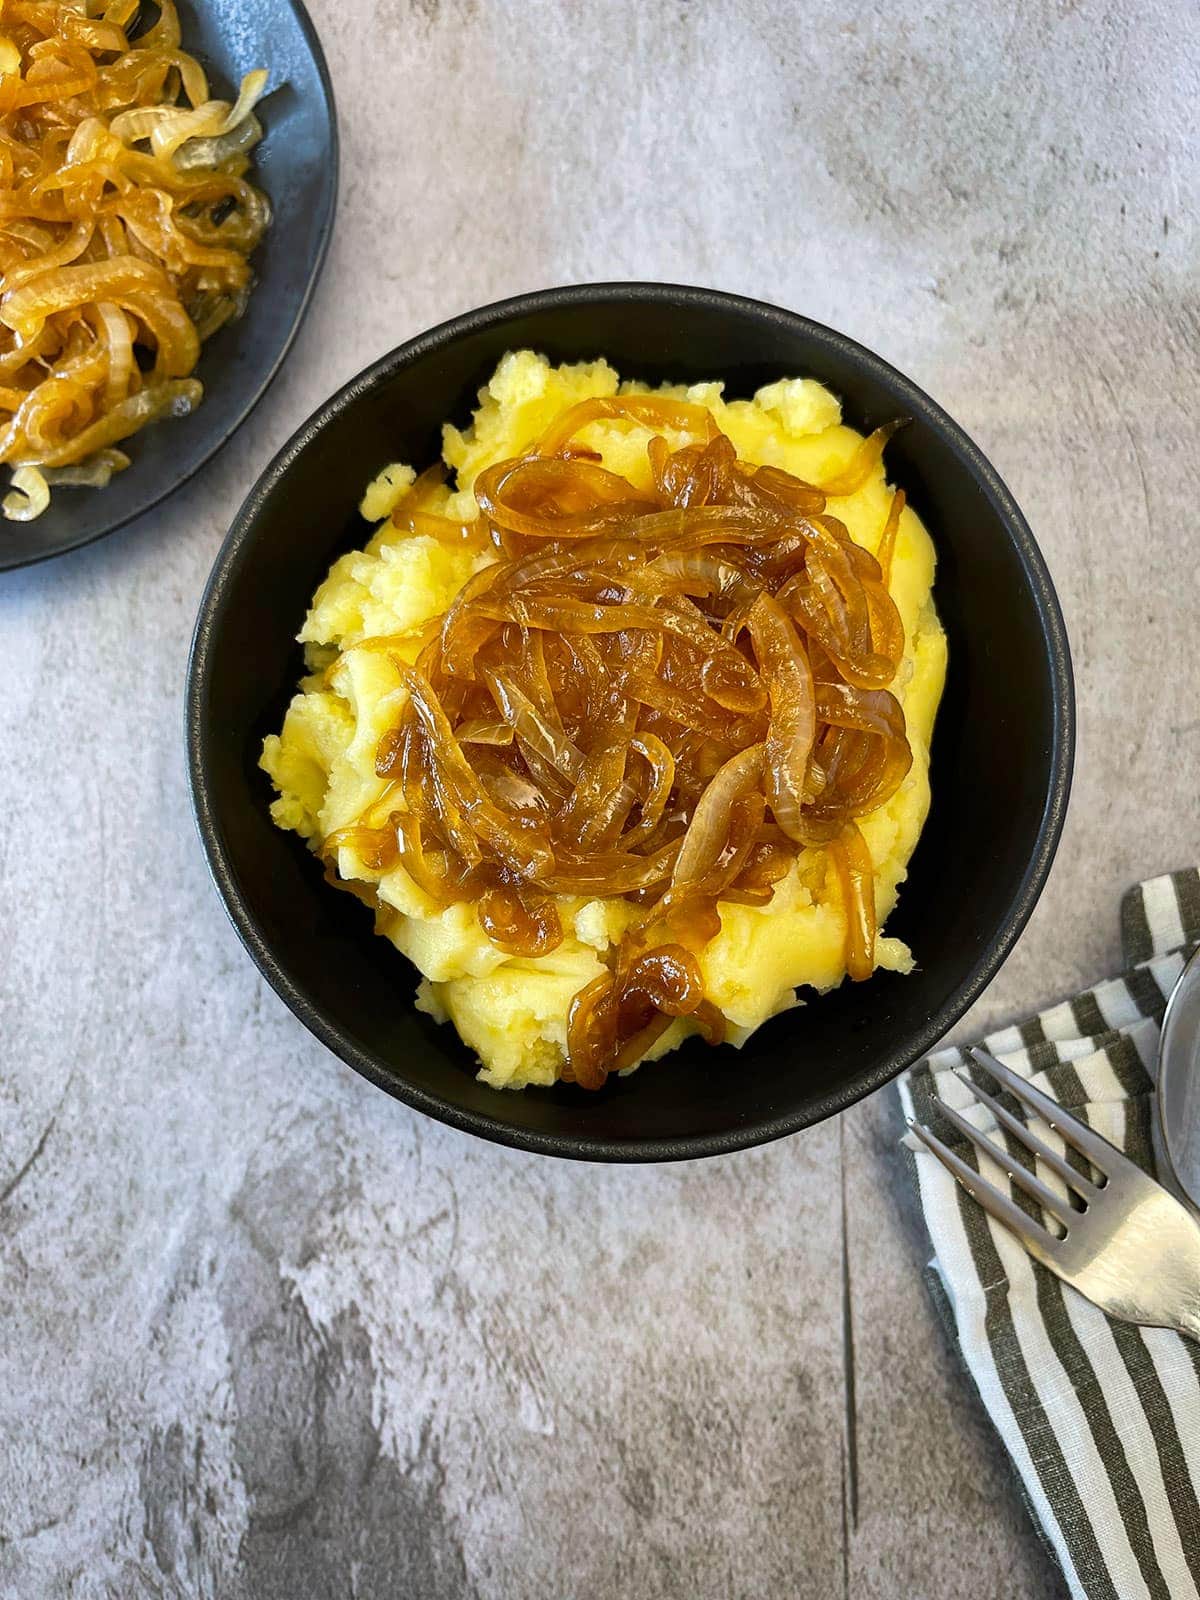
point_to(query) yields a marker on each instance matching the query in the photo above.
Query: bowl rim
(313, 43)
(233, 553)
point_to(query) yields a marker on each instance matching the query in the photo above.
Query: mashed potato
(513, 1011)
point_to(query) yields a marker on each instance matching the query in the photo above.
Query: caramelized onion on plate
(663, 695)
(126, 224)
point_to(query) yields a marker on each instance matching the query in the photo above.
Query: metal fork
(1130, 1247)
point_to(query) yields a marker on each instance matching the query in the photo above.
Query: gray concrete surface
(265, 1334)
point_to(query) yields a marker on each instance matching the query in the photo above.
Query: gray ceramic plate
(296, 164)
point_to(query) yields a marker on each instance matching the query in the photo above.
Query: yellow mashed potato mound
(512, 1011)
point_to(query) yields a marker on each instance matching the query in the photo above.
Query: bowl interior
(1000, 765)
(296, 164)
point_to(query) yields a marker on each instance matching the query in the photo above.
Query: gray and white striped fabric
(1101, 1419)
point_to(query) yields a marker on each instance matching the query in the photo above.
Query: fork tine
(1032, 1235)
(1104, 1157)
(1030, 1140)
(1033, 1186)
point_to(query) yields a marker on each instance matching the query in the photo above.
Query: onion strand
(126, 227)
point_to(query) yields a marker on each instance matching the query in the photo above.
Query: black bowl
(1001, 757)
(296, 164)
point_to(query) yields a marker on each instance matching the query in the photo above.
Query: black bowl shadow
(1002, 751)
(297, 165)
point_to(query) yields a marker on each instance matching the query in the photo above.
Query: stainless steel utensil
(1125, 1243)
(1179, 1080)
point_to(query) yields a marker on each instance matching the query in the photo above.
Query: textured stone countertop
(267, 1335)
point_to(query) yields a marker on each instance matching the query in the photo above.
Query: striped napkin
(1101, 1419)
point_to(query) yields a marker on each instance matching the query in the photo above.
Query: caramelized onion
(29, 496)
(887, 543)
(785, 667)
(862, 462)
(662, 696)
(652, 411)
(126, 223)
(856, 874)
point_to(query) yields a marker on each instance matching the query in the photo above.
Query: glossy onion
(126, 223)
(661, 695)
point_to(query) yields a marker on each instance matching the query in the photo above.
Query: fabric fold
(1101, 1418)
